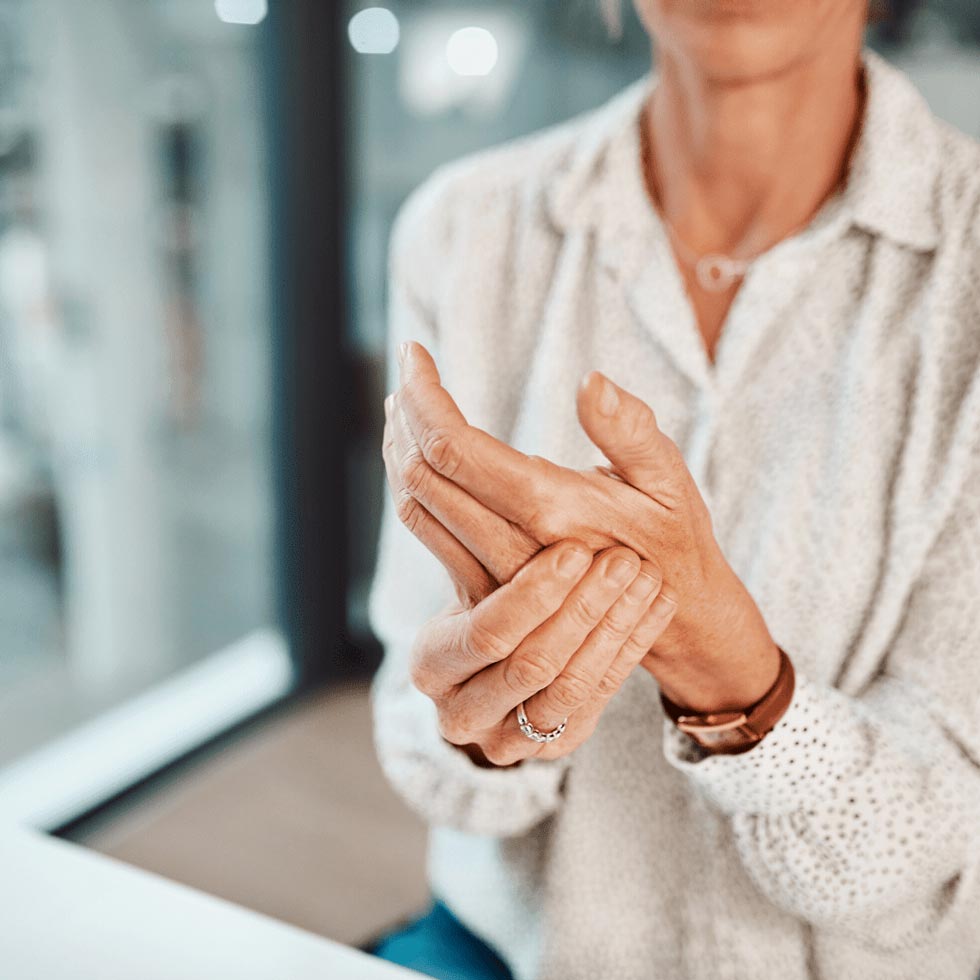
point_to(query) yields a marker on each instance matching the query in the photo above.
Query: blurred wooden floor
(294, 820)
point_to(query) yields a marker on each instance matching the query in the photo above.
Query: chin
(735, 41)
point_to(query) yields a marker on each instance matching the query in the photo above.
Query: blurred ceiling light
(241, 11)
(472, 51)
(429, 85)
(373, 30)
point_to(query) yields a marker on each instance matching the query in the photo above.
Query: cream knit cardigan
(836, 439)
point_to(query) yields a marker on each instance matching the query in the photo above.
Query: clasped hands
(566, 580)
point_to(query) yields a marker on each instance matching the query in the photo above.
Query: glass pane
(135, 505)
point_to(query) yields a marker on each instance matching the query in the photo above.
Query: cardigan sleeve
(437, 780)
(862, 814)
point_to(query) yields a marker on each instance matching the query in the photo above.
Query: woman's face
(741, 40)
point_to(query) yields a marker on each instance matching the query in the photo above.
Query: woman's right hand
(561, 637)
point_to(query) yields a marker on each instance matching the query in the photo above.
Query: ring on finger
(535, 734)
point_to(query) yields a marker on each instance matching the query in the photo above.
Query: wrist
(737, 731)
(717, 654)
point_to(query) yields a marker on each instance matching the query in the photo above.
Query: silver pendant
(716, 273)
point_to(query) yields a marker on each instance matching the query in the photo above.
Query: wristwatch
(733, 732)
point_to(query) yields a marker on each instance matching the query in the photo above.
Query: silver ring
(533, 733)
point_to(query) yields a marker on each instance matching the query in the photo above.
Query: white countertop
(67, 913)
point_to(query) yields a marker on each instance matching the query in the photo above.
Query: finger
(578, 731)
(626, 430)
(416, 365)
(497, 544)
(583, 723)
(505, 744)
(635, 649)
(418, 373)
(513, 485)
(578, 681)
(498, 625)
(544, 651)
(470, 579)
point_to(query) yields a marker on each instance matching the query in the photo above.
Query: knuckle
(611, 682)
(415, 472)
(538, 603)
(483, 643)
(421, 675)
(464, 715)
(581, 611)
(530, 671)
(640, 426)
(534, 590)
(570, 690)
(452, 730)
(410, 512)
(642, 639)
(440, 447)
(544, 517)
(540, 473)
(543, 523)
(616, 624)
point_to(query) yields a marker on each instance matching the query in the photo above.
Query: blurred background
(195, 202)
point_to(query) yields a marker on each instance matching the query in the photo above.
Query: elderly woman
(683, 653)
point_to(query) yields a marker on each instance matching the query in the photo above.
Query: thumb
(416, 364)
(625, 429)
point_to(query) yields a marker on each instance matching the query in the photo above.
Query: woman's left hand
(717, 653)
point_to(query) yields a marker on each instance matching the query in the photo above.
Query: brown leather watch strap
(732, 732)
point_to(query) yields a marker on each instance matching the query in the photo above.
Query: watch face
(720, 731)
(719, 723)
(728, 740)
(715, 740)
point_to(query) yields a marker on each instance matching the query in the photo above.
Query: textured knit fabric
(836, 440)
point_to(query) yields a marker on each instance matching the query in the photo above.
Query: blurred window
(135, 485)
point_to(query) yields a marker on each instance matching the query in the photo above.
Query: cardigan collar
(890, 185)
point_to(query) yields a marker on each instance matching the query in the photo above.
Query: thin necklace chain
(715, 272)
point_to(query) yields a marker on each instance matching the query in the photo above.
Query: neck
(736, 167)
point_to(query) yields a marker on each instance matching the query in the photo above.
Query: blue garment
(439, 945)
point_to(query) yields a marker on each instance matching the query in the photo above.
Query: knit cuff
(820, 743)
(445, 786)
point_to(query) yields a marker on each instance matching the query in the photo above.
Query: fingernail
(402, 353)
(608, 397)
(573, 562)
(621, 572)
(647, 583)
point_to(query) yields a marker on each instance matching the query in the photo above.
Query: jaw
(743, 42)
